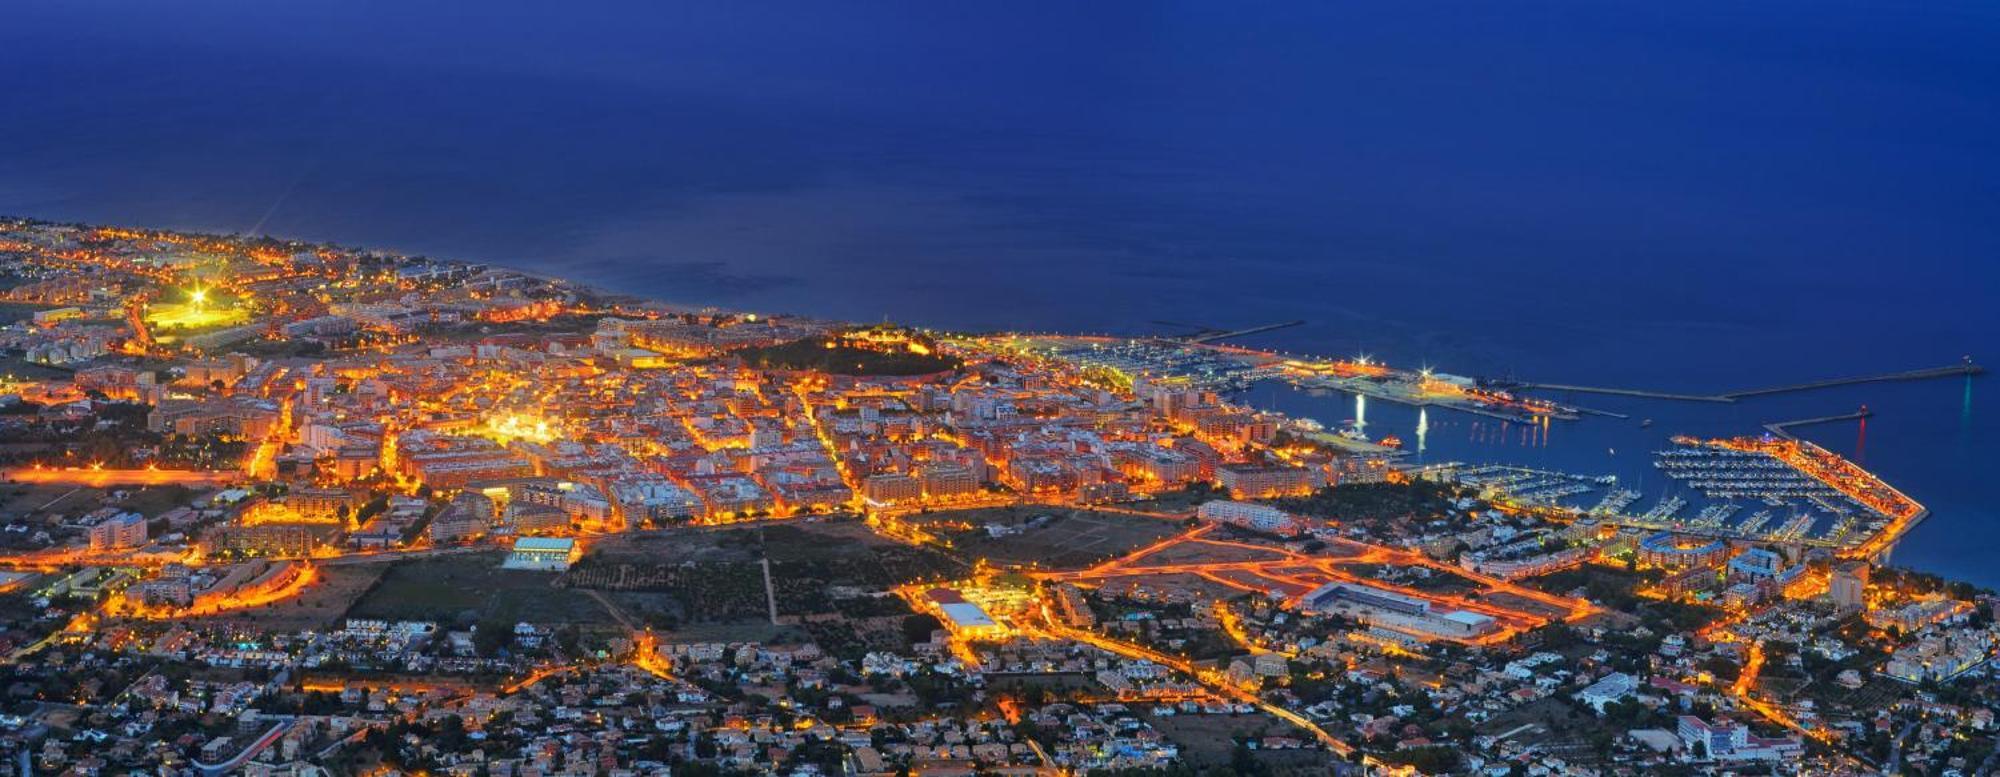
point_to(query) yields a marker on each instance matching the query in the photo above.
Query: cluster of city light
(198, 311)
(508, 427)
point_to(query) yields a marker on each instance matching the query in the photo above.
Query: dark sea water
(1681, 196)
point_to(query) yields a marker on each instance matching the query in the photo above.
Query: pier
(1966, 368)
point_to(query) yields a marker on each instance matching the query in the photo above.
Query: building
(457, 468)
(121, 531)
(962, 618)
(888, 489)
(545, 554)
(528, 518)
(1154, 464)
(269, 539)
(1849, 587)
(1334, 593)
(1763, 567)
(1704, 738)
(1257, 482)
(1940, 656)
(945, 481)
(468, 516)
(1608, 689)
(1728, 741)
(241, 417)
(654, 500)
(322, 505)
(1391, 611)
(1255, 517)
(1669, 551)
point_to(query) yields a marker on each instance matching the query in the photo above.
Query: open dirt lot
(473, 588)
(1070, 539)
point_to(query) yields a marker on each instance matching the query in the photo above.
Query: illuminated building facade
(1669, 551)
(1265, 482)
(1248, 515)
(121, 531)
(1849, 587)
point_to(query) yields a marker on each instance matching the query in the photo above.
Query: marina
(1718, 482)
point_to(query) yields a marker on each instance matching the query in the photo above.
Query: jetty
(1966, 369)
(1629, 392)
(1783, 428)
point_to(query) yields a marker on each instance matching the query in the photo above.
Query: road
(269, 737)
(770, 591)
(1285, 567)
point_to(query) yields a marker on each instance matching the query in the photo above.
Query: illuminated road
(1213, 680)
(1309, 572)
(269, 738)
(235, 602)
(109, 478)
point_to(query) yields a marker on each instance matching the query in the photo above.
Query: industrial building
(543, 554)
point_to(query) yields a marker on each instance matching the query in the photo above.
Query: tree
(1243, 761)
(918, 627)
(490, 636)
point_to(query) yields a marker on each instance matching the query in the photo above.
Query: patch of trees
(812, 354)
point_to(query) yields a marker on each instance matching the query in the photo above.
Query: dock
(1966, 369)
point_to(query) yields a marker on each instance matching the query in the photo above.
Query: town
(288, 509)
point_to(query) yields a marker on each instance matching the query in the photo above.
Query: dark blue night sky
(1677, 195)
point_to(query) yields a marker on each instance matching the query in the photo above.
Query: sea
(1698, 196)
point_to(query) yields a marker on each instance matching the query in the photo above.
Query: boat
(1666, 508)
(1714, 515)
(1616, 501)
